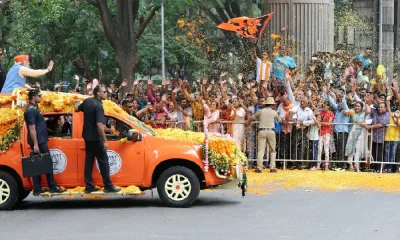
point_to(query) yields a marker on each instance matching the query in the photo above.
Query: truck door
(126, 159)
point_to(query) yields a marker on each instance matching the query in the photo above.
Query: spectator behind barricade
(184, 109)
(213, 121)
(363, 77)
(303, 117)
(91, 86)
(280, 65)
(284, 138)
(313, 139)
(127, 106)
(325, 134)
(392, 138)
(196, 102)
(380, 118)
(160, 117)
(174, 114)
(364, 59)
(264, 66)
(238, 122)
(16, 77)
(341, 132)
(355, 149)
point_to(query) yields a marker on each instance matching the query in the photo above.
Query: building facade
(310, 25)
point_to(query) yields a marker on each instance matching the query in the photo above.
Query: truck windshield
(141, 125)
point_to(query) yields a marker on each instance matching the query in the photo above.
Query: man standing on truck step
(266, 133)
(16, 77)
(38, 138)
(93, 133)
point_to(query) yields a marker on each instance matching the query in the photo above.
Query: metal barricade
(297, 147)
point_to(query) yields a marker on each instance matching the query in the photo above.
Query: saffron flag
(247, 27)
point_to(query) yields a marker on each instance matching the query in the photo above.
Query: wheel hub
(4, 191)
(178, 187)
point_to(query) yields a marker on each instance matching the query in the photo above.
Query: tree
(122, 32)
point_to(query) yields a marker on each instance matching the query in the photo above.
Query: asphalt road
(284, 214)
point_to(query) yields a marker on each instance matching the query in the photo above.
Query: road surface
(285, 214)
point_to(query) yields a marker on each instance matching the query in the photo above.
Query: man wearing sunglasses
(2, 72)
(94, 125)
(38, 138)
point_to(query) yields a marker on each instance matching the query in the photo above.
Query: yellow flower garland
(223, 153)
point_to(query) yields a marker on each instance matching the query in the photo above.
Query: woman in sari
(357, 136)
(213, 121)
(238, 123)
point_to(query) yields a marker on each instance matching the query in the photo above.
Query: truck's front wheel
(8, 191)
(178, 187)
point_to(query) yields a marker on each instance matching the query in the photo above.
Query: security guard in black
(95, 141)
(38, 138)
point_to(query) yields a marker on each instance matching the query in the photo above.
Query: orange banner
(247, 27)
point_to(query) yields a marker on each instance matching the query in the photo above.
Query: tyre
(8, 191)
(178, 187)
(23, 194)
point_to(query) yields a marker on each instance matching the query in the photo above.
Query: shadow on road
(114, 203)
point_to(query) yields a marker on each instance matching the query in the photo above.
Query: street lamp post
(380, 33)
(162, 41)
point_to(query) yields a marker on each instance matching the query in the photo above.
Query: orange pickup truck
(175, 166)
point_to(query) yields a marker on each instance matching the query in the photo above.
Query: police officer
(38, 138)
(266, 133)
(95, 139)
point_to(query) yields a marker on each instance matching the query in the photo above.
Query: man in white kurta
(264, 67)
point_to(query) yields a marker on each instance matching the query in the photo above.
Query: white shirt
(314, 133)
(304, 115)
(262, 66)
(282, 114)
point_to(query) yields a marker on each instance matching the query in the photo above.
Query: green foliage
(71, 32)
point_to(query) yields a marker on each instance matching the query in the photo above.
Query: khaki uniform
(266, 134)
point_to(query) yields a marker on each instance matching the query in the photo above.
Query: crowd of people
(338, 112)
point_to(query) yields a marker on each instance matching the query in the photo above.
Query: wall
(310, 24)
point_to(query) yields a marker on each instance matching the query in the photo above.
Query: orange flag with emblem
(247, 27)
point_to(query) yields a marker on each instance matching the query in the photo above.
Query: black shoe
(90, 190)
(273, 170)
(56, 189)
(112, 189)
(39, 191)
(257, 170)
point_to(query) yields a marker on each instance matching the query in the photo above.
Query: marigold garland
(223, 154)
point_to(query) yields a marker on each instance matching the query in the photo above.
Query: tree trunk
(121, 33)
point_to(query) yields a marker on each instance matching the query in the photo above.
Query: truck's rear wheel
(178, 187)
(8, 191)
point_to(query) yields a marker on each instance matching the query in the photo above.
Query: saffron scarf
(267, 67)
(287, 115)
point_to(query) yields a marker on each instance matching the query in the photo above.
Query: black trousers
(340, 144)
(43, 148)
(378, 150)
(96, 149)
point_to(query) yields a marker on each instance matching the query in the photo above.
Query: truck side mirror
(134, 136)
